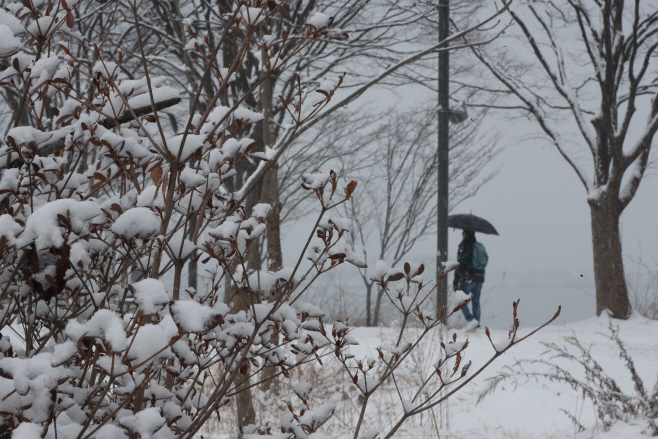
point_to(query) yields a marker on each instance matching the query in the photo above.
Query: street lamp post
(442, 180)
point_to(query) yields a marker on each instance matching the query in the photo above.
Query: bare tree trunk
(270, 185)
(368, 304)
(378, 305)
(611, 291)
(270, 194)
(13, 100)
(246, 414)
(244, 399)
(192, 265)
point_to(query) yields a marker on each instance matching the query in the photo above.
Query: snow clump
(139, 222)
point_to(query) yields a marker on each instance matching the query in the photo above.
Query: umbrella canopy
(472, 223)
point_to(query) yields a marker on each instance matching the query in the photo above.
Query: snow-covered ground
(531, 408)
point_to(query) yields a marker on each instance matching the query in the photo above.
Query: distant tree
(594, 65)
(358, 147)
(399, 178)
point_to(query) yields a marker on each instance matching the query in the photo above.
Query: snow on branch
(48, 143)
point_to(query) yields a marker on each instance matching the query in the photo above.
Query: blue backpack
(480, 257)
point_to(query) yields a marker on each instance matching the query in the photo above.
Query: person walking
(469, 276)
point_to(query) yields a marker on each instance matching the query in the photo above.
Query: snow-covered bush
(103, 202)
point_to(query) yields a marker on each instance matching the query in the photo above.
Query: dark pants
(473, 289)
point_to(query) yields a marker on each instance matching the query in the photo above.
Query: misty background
(543, 255)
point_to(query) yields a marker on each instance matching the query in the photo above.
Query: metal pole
(442, 175)
(442, 181)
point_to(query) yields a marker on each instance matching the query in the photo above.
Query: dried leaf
(349, 189)
(396, 276)
(156, 174)
(51, 280)
(100, 177)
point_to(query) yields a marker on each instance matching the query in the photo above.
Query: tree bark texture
(378, 305)
(270, 183)
(244, 399)
(245, 405)
(368, 303)
(609, 277)
(246, 414)
(270, 195)
(240, 300)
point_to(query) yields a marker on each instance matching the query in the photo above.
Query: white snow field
(527, 408)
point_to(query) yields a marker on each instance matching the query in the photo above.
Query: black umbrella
(472, 223)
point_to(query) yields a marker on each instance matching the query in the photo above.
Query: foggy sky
(543, 254)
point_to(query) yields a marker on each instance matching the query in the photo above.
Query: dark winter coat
(465, 273)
